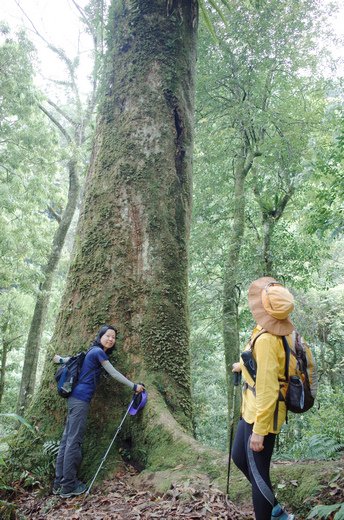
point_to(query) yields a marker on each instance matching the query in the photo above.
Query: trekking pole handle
(236, 378)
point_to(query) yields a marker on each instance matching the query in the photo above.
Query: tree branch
(62, 112)
(60, 52)
(56, 123)
(55, 215)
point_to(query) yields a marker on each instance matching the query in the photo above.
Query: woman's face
(108, 339)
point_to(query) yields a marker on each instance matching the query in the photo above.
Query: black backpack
(67, 375)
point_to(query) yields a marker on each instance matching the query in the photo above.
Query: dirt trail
(116, 499)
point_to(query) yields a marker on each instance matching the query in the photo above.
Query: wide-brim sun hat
(271, 304)
(139, 402)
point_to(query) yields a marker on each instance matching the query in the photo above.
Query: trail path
(117, 500)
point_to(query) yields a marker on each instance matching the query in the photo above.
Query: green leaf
(326, 511)
(340, 513)
(226, 4)
(215, 6)
(207, 21)
(18, 418)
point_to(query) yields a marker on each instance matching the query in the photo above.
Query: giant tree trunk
(131, 251)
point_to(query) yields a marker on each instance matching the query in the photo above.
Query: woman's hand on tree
(257, 442)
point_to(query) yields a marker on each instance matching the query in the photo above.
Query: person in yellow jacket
(263, 407)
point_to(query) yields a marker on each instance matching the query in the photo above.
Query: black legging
(255, 465)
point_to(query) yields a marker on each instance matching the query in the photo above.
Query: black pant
(256, 467)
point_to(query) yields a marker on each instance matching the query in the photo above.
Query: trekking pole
(111, 443)
(236, 382)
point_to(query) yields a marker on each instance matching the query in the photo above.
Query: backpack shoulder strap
(287, 357)
(253, 340)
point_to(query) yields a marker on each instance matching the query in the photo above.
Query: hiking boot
(279, 514)
(56, 490)
(79, 490)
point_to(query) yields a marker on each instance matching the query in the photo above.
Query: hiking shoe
(278, 513)
(79, 490)
(57, 490)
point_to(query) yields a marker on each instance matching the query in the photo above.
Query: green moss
(150, 56)
(297, 485)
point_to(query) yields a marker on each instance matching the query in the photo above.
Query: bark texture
(231, 292)
(131, 250)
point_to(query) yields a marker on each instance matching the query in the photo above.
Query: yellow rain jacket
(262, 403)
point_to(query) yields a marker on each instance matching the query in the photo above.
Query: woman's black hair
(101, 332)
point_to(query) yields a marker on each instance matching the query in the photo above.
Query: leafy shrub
(317, 434)
(328, 511)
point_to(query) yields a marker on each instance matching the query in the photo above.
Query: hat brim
(269, 323)
(138, 403)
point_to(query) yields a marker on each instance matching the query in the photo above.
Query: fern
(326, 511)
(51, 448)
(42, 472)
(322, 447)
(28, 479)
(316, 447)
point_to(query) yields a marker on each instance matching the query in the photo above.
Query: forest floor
(118, 500)
(126, 497)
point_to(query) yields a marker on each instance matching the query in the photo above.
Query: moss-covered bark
(131, 250)
(231, 291)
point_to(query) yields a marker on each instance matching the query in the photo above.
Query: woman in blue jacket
(69, 456)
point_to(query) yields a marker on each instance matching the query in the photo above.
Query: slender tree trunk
(7, 345)
(268, 229)
(272, 211)
(73, 130)
(33, 344)
(231, 291)
(4, 353)
(131, 251)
